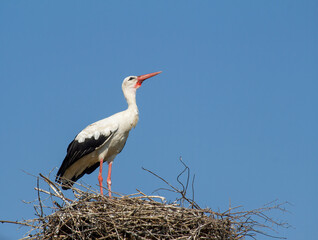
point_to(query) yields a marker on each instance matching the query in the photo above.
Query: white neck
(130, 95)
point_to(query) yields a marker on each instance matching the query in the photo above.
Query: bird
(101, 141)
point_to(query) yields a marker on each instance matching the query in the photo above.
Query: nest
(98, 217)
(138, 216)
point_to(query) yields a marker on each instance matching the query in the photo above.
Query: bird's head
(136, 81)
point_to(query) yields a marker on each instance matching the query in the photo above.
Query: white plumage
(102, 140)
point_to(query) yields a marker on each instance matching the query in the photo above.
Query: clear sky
(237, 98)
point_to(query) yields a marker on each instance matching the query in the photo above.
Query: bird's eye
(131, 78)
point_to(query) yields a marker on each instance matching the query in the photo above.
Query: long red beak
(142, 78)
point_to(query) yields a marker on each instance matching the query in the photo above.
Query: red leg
(109, 181)
(100, 177)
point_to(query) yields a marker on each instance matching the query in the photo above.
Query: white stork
(102, 140)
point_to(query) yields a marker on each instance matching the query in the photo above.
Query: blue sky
(237, 98)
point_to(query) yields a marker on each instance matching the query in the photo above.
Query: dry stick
(56, 190)
(18, 223)
(146, 196)
(41, 208)
(47, 192)
(192, 186)
(184, 188)
(39, 198)
(174, 188)
(186, 168)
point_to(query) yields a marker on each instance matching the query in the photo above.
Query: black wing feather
(88, 170)
(77, 150)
